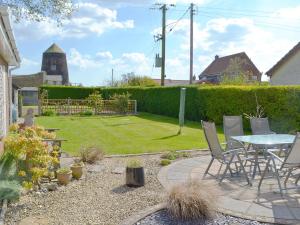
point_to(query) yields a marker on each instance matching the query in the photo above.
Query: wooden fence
(77, 106)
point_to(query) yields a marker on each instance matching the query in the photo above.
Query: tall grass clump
(91, 154)
(192, 200)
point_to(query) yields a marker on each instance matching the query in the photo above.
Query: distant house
(219, 67)
(170, 82)
(29, 85)
(9, 59)
(287, 70)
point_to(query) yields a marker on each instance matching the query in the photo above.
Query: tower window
(53, 67)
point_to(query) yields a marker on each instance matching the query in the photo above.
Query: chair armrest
(275, 156)
(233, 151)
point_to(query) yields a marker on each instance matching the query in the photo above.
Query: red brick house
(217, 69)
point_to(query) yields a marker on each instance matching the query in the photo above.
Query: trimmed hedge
(281, 104)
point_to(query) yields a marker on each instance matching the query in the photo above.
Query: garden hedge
(280, 104)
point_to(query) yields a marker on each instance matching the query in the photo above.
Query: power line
(270, 25)
(178, 20)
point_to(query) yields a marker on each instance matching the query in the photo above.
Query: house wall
(4, 103)
(289, 73)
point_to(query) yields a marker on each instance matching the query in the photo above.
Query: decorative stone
(51, 186)
(119, 170)
(95, 168)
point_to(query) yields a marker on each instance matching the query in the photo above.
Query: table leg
(255, 163)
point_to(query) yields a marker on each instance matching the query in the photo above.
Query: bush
(281, 104)
(120, 102)
(86, 113)
(48, 113)
(91, 154)
(191, 201)
(165, 162)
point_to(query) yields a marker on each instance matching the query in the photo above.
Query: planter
(64, 178)
(77, 171)
(135, 177)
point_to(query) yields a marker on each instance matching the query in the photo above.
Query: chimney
(216, 57)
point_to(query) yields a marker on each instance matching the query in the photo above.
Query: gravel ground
(163, 218)
(98, 198)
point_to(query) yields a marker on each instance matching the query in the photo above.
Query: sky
(103, 35)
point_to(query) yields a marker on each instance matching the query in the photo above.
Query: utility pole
(191, 42)
(163, 45)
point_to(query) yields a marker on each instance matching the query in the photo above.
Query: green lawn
(126, 134)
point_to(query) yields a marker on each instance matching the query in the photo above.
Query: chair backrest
(293, 157)
(260, 125)
(212, 139)
(233, 126)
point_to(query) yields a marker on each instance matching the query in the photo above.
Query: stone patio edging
(136, 217)
(155, 153)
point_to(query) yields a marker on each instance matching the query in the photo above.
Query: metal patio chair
(233, 126)
(283, 167)
(224, 157)
(260, 126)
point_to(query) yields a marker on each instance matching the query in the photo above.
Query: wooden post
(181, 109)
(135, 107)
(69, 109)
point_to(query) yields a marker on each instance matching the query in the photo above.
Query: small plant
(134, 163)
(191, 201)
(259, 113)
(174, 155)
(86, 113)
(165, 162)
(120, 102)
(169, 155)
(48, 113)
(9, 190)
(64, 170)
(91, 154)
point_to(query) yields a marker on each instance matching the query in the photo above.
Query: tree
(37, 10)
(130, 79)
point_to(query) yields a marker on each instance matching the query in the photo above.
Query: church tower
(55, 63)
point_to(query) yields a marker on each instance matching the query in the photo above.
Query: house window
(254, 77)
(53, 64)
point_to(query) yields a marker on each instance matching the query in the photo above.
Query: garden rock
(119, 170)
(95, 168)
(51, 186)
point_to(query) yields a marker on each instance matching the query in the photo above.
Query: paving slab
(237, 198)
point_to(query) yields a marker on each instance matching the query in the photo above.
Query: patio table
(265, 140)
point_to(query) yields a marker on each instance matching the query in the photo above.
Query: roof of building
(32, 80)
(284, 59)
(170, 82)
(9, 47)
(220, 64)
(54, 48)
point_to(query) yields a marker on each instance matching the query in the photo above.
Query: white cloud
(90, 18)
(104, 55)
(28, 62)
(128, 62)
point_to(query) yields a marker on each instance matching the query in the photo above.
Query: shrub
(120, 102)
(134, 163)
(48, 113)
(191, 201)
(165, 162)
(86, 113)
(95, 101)
(91, 154)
